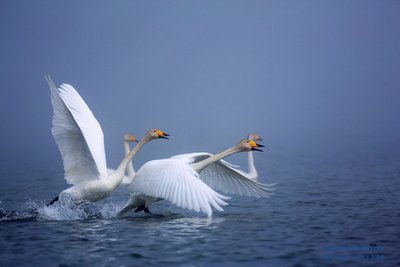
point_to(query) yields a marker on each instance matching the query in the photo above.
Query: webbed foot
(142, 208)
(52, 202)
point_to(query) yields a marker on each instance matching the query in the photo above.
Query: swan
(227, 178)
(252, 172)
(188, 181)
(81, 143)
(130, 171)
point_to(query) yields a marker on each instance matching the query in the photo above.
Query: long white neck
(199, 166)
(252, 174)
(119, 173)
(252, 168)
(129, 169)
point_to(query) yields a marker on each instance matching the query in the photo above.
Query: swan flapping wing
(223, 176)
(78, 135)
(230, 181)
(177, 182)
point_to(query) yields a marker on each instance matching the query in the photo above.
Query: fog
(308, 76)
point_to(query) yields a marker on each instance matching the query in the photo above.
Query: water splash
(109, 210)
(62, 210)
(66, 210)
(27, 212)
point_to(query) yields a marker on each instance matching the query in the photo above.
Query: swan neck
(201, 165)
(252, 167)
(129, 169)
(124, 163)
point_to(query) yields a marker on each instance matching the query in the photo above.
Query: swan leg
(142, 208)
(125, 209)
(52, 202)
(133, 202)
(139, 209)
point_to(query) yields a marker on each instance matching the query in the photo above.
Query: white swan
(130, 171)
(252, 172)
(188, 181)
(81, 143)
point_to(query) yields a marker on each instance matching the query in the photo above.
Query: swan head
(130, 138)
(249, 145)
(254, 137)
(156, 134)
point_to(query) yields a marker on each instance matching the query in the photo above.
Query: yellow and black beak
(255, 146)
(162, 135)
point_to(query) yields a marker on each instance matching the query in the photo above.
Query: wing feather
(179, 183)
(228, 180)
(89, 126)
(79, 163)
(223, 176)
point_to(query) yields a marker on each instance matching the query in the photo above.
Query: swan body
(90, 191)
(171, 180)
(180, 180)
(80, 140)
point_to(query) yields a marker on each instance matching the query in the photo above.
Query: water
(327, 211)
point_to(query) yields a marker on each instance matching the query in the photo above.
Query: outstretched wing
(177, 182)
(78, 135)
(223, 176)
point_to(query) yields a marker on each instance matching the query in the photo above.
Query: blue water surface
(327, 211)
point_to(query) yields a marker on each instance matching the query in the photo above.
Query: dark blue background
(309, 76)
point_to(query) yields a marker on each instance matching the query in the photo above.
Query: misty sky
(306, 75)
